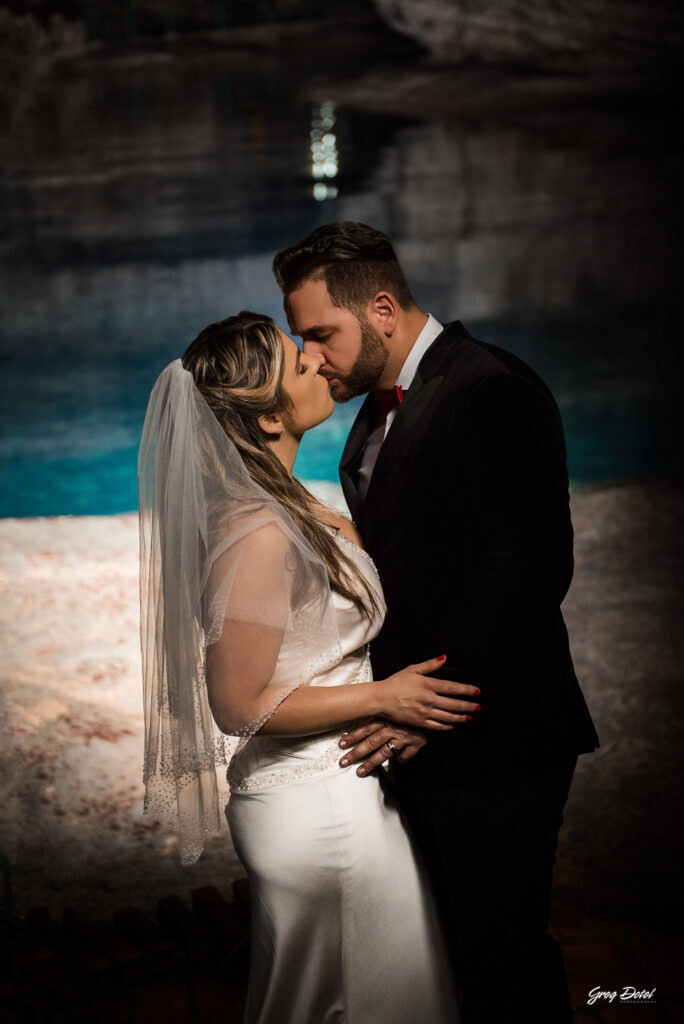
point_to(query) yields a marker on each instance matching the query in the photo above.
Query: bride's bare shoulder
(331, 517)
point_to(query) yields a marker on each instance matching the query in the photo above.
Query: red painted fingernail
(477, 708)
(469, 718)
(478, 691)
(442, 657)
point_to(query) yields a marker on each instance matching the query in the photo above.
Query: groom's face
(354, 351)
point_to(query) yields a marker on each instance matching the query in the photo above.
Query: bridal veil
(226, 581)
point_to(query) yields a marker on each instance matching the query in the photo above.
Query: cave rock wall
(539, 31)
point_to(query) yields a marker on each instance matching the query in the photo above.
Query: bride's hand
(411, 697)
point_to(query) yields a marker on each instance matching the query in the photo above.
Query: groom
(455, 474)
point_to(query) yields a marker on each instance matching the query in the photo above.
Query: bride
(258, 605)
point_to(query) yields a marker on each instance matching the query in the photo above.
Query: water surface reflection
(143, 204)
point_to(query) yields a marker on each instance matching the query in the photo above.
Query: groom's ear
(383, 312)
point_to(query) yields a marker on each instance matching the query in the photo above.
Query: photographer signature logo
(629, 994)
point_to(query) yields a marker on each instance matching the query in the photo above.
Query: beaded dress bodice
(267, 761)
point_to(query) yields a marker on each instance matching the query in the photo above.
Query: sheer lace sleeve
(245, 642)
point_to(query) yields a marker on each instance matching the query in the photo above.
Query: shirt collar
(430, 333)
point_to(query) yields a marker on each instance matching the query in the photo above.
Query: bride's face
(307, 390)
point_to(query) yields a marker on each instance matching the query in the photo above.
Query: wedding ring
(393, 749)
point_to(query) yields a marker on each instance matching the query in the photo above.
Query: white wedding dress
(343, 926)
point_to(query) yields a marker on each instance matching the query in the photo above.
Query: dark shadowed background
(528, 167)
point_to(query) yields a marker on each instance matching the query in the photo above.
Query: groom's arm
(513, 483)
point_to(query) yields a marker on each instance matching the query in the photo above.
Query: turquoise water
(72, 419)
(141, 205)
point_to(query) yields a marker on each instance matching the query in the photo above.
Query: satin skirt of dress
(343, 925)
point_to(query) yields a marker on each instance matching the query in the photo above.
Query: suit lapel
(408, 416)
(352, 456)
(412, 410)
(418, 397)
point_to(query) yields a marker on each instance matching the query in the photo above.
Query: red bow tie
(388, 400)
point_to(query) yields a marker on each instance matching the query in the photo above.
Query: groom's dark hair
(355, 261)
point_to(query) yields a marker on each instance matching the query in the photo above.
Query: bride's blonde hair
(237, 365)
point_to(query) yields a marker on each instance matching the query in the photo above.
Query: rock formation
(539, 32)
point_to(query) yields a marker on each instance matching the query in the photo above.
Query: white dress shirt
(430, 333)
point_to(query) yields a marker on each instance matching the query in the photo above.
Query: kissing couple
(423, 634)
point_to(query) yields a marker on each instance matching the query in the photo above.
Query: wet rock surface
(72, 716)
(622, 838)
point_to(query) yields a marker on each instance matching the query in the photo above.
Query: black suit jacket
(467, 518)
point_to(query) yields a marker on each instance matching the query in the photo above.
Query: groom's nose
(312, 349)
(314, 361)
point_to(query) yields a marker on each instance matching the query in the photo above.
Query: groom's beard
(366, 371)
